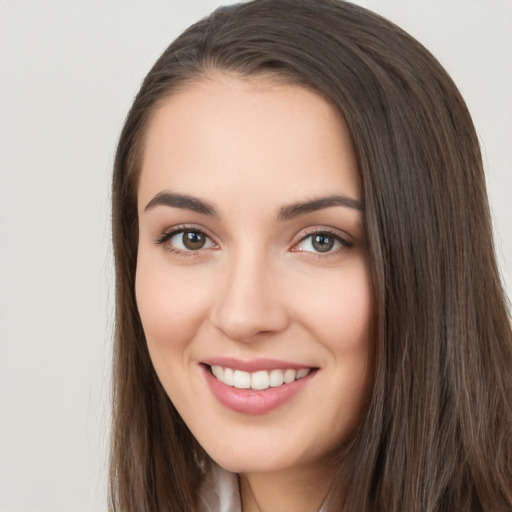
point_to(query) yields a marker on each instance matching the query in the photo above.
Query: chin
(263, 456)
(242, 463)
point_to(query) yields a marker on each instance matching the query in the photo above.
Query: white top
(220, 492)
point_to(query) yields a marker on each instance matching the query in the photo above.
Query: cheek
(171, 305)
(339, 310)
(341, 318)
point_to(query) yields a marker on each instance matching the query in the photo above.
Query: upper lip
(253, 365)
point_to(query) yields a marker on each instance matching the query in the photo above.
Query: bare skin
(252, 248)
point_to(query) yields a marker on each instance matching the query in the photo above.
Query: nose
(250, 303)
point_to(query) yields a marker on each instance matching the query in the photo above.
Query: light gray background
(68, 72)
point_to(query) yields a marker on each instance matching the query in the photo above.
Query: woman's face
(252, 279)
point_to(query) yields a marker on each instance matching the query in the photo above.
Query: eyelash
(344, 243)
(168, 234)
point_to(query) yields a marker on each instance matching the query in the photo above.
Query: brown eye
(193, 240)
(322, 242)
(186, 240)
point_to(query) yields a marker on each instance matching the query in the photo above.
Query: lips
(255, 387)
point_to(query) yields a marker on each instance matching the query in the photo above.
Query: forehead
(231, 134)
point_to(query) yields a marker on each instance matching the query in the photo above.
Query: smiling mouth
(259, 380)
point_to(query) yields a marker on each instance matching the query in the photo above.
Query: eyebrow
(291, 211)
(296, 209)
(183, 201)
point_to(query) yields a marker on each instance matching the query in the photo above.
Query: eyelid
(343, 238)
(168, 233)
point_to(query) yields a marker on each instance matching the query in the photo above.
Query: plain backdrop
(69, 70)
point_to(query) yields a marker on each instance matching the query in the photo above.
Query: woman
(309, 314)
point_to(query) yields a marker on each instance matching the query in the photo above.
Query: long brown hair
(438, 432)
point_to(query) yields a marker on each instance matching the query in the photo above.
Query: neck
(300, 490)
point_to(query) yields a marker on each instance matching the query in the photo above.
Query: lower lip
(249, 401)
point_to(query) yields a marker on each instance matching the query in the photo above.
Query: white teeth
(241, 380)
(303, 372)
(228, 376)
(218, 371)
(289, 376)
(259, 380)
(276, 378)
